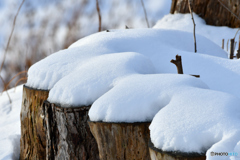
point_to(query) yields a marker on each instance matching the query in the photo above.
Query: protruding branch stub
(178, 63)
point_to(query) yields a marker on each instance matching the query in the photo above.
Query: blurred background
(47, 26)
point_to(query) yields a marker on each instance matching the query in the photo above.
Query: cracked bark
(33, 139)
(51, 132)
(120, 141)
(68, 134)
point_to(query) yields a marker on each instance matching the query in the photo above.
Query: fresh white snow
(157, 47)
(138, 98)
(10, 124)
(95, 77)
(197, 120)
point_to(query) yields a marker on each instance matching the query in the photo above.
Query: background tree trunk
(211, 10)
(33, 139)
(68, 134)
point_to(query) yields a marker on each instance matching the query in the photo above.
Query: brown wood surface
(121, 141)
(211, 10)
(33, 139)
(68, 134)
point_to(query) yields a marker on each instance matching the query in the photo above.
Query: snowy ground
(10, 124)
(132, 68)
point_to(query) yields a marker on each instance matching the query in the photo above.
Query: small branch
(99, 17)
(197, 76)
(227, 44)
(10, 37)
(6, 87)
(236, 33)
(145, 13)
(21, 79)
(239, 43)
(194, 26)
(238, 51)
(6, 91)
(178, 63)
(222, 43)
(235, 44)
(228, 9)
(231, 48)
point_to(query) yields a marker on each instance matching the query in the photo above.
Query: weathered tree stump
(121, 141)
(211, 11)
(33, 139)
(157, 154)
(68, 134)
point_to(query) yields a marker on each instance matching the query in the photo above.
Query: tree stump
(33, 139)
(157, 154)
(211, 11)
(118, 141)
(68, 134)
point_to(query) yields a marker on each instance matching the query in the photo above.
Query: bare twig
(238, 51)
(99, 17)
(10, 37)
(6, 86)
(227, 44)
(178, 63)
(21, 79)
(6, 91)
(239, 43)
(222, 43)
(231, 48)
(145, 13)
(228, 9)
(236, 33)
(194, 26)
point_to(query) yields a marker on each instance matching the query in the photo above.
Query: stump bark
(120, 141)
(157, 154)
(68, 135)
(211, 11)
(33, 139)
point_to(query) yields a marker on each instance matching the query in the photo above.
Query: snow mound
(95, 77)
(149, 41)
(183, 22)
(67, 68)
(198, 120)
(138, 98)
(47, 72)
